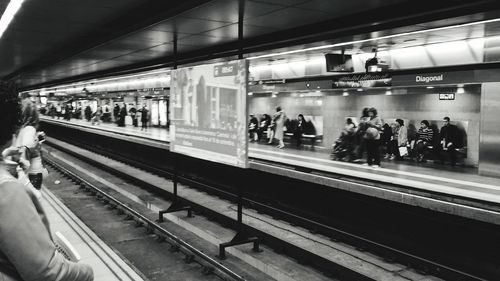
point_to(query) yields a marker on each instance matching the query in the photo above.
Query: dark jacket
(450, 133)
(254, 124)
(144, 115)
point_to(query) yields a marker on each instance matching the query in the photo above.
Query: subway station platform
(107, 265)
(453, 190)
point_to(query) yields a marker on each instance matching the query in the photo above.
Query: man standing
(144, 118)
(116, 113)
(450, 140)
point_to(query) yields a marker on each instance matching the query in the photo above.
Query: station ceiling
(53, 41)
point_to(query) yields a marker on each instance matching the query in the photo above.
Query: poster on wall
(209, 112)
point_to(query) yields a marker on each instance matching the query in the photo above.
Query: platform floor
(457, 181)
(107, 265)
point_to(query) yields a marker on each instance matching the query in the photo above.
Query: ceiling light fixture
(430, 87)
(374, 39)
(8, 14)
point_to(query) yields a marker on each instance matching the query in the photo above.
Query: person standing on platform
(360, 133)
(52, 111)
(144, 118)
(299, 130)
(58, 111)
(133, 114)
(67, 111)
(450, 140)
(97, 116)
(88, 113)
(116, 113)
(372, 138)
(28, 141)
(279, 119)
(27, 251)
(123, 114)
(106, 114)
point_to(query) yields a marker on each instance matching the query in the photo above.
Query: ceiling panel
(203, 40)
(221, 10)
(344, 7)
(188, 25)
(231, 31)
(45, 26)
(283, 2)
(155, 36)
(288, 18)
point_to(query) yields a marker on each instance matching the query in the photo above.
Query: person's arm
(26, 243)
(28, 138)
(404, 136)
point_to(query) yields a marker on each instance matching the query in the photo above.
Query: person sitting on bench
(424, 139)
(450, 140)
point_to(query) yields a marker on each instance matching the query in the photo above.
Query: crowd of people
(273, 128)
(100, 114)
(369, 138)
(27, 249)
(374, 137)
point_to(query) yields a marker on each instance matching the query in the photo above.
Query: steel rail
(151, 224)
(425, 264)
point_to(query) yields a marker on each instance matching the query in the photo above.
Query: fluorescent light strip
(8, 14)
(375, 39)
(96, 82)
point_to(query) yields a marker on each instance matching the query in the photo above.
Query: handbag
(371, 133)
(403, 151)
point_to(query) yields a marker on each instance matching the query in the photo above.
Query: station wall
(410, 104)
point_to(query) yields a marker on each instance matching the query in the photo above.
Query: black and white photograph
(249, 140)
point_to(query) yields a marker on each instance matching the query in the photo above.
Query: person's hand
(11, 151)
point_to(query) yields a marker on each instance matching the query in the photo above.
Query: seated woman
(264, 125)
(399, 139)
(253, 128)
(424, 138)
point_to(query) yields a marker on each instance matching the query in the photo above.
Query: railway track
(190, 253)
(424, 266)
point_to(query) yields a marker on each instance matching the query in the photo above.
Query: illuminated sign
(230, 69)
(447, 96)
(427, 79)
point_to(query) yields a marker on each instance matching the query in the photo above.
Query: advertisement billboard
(209, 112)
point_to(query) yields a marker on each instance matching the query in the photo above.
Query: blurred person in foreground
(27, 251)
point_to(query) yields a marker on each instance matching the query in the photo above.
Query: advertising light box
(209, 112)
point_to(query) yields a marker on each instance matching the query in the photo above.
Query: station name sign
(427, 79)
